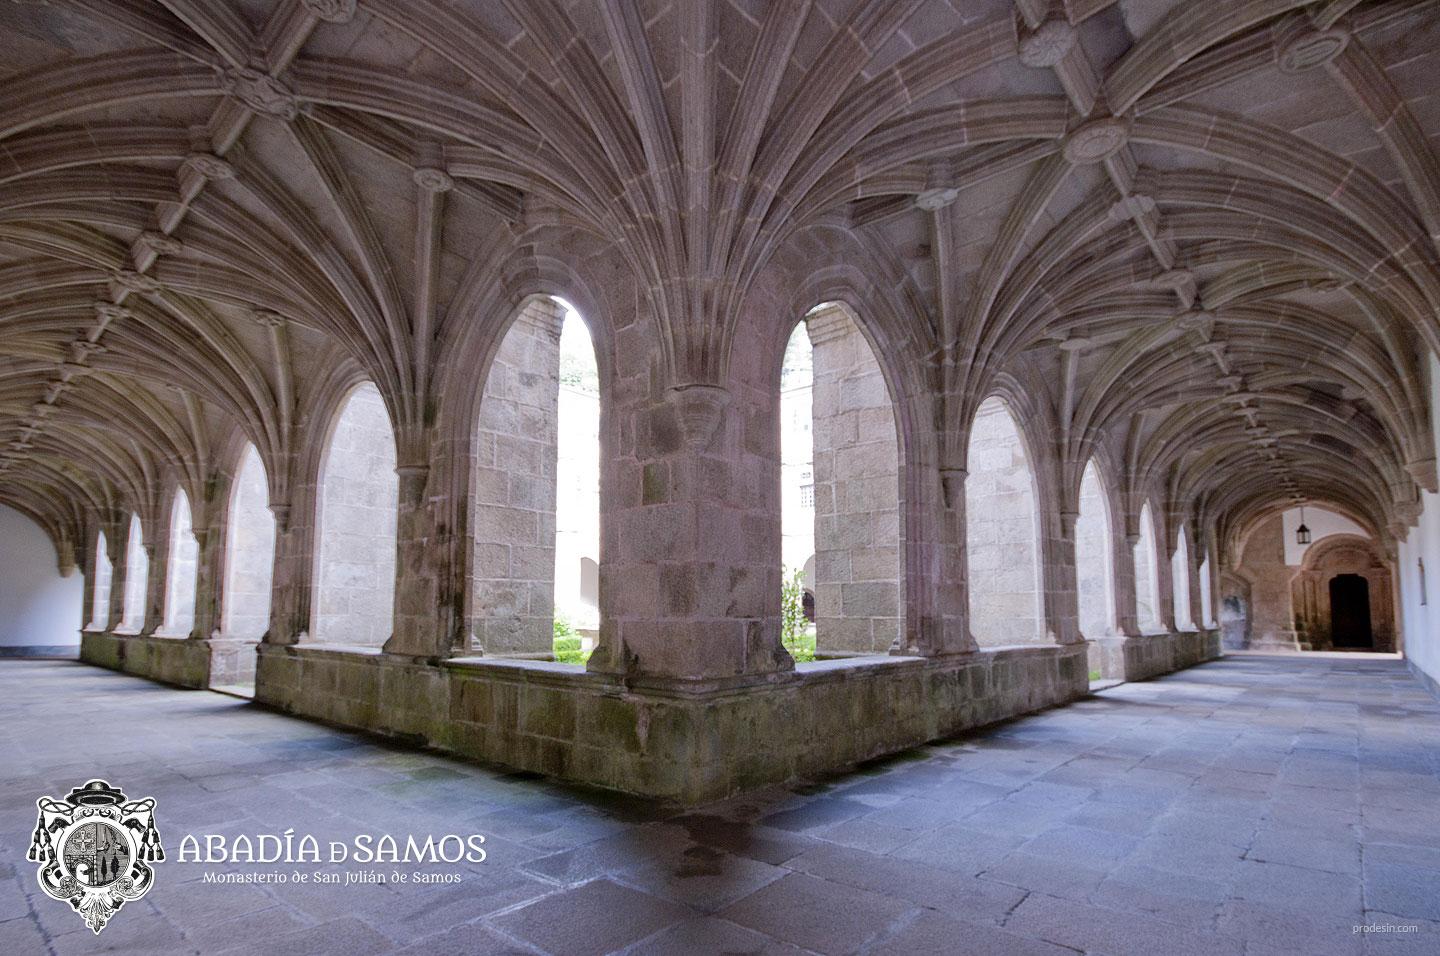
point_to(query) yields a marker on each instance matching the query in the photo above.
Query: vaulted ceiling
(1202, 236)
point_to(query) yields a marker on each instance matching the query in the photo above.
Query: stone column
(690, 576)
(1165, 586)
(157, 553)
(1194, 554)
(292, 580)
(857, 493)
(209, 582)
(117, 549)
(937, 574)
(1061, 579)
(513, 489)
(1122, 558)
(90, 568)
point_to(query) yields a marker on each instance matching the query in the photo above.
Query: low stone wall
(670, 744)
(170, 660)
(1152, 655)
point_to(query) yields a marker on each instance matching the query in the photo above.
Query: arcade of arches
(1098, 294)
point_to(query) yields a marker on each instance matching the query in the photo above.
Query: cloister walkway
(1251, 805)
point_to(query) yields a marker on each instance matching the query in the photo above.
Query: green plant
(793, 626)
(1094, 675)
(567, 642)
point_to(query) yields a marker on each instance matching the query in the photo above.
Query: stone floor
(1252, 805)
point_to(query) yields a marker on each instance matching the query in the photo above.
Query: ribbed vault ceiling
(1199, 238)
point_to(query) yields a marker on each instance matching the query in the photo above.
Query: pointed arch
(356, 509)
(1095, 571)
(250, 552)
(1147, 574)
(183, 570)
(100, 594)
(1002, 531)
(137, 572)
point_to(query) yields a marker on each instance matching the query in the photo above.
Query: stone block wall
(355, 562)
(100, 592)
(687, 748)
(857, 491)
(1001, 533)
(1145, 656)
(513, 594)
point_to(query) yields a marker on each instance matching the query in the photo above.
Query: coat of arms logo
(94, 849)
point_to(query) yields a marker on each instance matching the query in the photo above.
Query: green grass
(803, 647)
(1094, 675)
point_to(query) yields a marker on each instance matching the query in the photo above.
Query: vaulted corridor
(1266, 802)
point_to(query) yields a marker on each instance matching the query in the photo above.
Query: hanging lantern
(1302, 533)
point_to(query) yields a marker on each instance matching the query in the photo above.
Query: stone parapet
(665, 742)
(171, 660)
(1144, 656)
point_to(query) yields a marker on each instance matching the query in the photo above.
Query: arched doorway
(1350, 612)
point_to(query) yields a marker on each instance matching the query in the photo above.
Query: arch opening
(1180, 582)
(1094, 567)
(1002, 532)
(1147, 575)
(1350, 624)
(137, 572)
(183, 570)
(535, 484)
(841, 555)
(100, 594)
(249, 566)
(355, 528)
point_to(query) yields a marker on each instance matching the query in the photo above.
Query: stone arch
(1094, 554)
(137, 571)
(1148, 613)
(853, 500)
(250, 550)
(1002, 530)
(355, 514)
(100, 585)
(180, 578)
(1207, 594)
(514, 461)
(1180, 581)
(1341, 555)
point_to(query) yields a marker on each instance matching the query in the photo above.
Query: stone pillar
(1165, 587)
(1127, 623)
(117, 548)
(292, 580)
(91, 570)
(157, 579)
(429, 585)
(690, 574)
(1061, 580)
(937, 574)
(1194, 554)
(209, 583)
(857, 493)
(513, 489)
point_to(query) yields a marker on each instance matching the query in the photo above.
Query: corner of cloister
(624, 391)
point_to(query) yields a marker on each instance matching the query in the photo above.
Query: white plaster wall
(37, 606)
(1419, 613)
(1322, 524)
